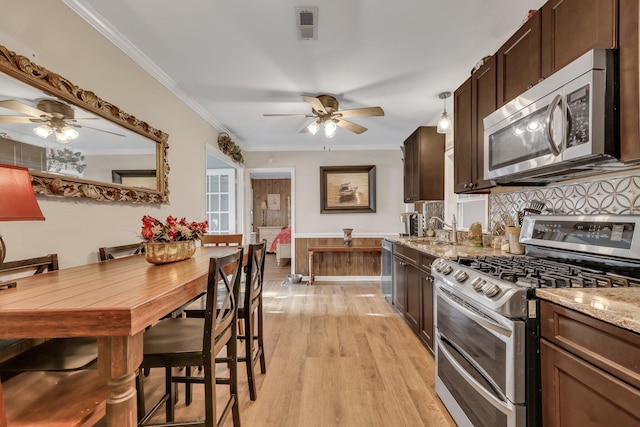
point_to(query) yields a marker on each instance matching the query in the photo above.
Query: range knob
(460, 276)
(491, 289)
(437, 265)
(446, 269)
(478, 283)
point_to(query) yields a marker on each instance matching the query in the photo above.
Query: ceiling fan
(54, 116)
(326, 113)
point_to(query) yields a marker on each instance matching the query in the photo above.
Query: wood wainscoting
(339, 263)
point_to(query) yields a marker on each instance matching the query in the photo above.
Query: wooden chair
(58, 354)
(192, 341)
(221, 240)
(113, 252)
(250, 307)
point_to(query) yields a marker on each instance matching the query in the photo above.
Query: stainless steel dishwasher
(387, 268)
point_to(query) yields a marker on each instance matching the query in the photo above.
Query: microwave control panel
(578, 116)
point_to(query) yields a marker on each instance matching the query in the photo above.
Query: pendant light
(444, 122)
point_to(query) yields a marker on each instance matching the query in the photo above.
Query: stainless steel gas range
(487, 331)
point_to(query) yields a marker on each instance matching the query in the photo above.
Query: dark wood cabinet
(519, 61)
(414, 302)
(473, 101)
(399, 283)
(413, 286)
(590, 372)
(424, 165)
(573, 27)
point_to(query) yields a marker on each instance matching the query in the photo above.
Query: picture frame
(140, 178)
(347, 189)
(273, 202)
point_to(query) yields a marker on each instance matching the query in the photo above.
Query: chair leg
(169, 389)
(263, 361)
(140, 394)
(187, 387)
(232, 348)
(248, 356)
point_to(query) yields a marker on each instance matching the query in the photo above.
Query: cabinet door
(462, 145)
(573, 27)
(426, 328)
(431, 165)
(519, 61)
(577, 394)
(414, 303)
(399, 283)
(484, 102)
(411, 168)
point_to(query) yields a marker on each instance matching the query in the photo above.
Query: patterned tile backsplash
(618, 196)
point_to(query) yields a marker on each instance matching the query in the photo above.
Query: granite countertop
(617, 306)
(431, 246)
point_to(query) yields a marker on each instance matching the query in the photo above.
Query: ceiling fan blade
(288, 115)
(350, 126)
(99, 130)
(23, 108)
(18, 119)
(315, 104)
(362, 112)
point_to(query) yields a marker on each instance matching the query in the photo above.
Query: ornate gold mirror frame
(23, 69)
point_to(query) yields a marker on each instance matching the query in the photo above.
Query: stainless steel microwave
(564, 126)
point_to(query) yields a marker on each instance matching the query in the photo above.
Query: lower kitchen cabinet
(590, 371)
(413, 286)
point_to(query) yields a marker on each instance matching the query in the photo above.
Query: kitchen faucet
(453, 226)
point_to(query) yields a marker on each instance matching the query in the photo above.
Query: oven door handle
(557, 102)
(495, 327)
(501, 404)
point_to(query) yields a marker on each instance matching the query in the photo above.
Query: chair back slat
(221, 240)
(254, 274)
(221, 311)
(39, 265)
(113, 252)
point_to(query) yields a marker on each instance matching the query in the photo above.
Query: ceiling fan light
(314, 127)
(43, 131)
(444, 123)
(70, 133)
(61, 137)
(330, 129)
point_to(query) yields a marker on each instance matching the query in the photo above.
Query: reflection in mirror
(74, 143)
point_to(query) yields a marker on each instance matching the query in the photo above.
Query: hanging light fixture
(330, 127)
(444, 122)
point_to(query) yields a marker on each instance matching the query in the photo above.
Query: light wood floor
(337, 355)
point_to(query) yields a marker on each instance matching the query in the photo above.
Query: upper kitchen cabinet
(473, 101)
(424, 165)
(573, 27)
(519, 61)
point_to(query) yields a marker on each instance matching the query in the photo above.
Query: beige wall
(75, 228)
(308, 220)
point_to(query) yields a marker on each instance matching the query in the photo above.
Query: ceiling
(233, 61)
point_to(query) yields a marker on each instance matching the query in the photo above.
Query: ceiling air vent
(307, 23)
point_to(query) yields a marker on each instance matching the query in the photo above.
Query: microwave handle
(552, 146)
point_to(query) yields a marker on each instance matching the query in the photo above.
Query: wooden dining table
(114, 301)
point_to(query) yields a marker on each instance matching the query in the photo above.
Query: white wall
(75, 228)
(306, 165)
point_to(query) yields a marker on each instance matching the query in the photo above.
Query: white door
(221, 201)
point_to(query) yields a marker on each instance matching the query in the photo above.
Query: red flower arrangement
(173, 230)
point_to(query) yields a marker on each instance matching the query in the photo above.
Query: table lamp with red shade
(17, 202)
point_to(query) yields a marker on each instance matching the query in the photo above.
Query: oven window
(520, 141)
(480, 345)
(480, 412)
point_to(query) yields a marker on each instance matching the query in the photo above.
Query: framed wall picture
(347, 189)
(273, 202)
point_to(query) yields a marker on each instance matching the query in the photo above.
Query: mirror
(85, 146)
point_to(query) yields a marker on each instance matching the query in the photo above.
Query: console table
(313, 249)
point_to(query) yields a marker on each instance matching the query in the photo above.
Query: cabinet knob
(530, 86)
(471, 185)
(466, 185)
